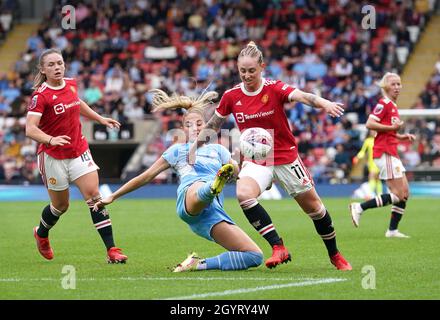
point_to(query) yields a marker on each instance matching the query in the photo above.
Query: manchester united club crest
(265, 99)
(52, 181)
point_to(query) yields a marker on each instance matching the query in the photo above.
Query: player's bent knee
(91, 200)
(244, 194)
(59, 208)
(403, 196)
(92, 195)
(406, 194)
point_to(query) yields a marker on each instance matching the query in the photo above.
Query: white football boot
(395, 234)
(356, 211)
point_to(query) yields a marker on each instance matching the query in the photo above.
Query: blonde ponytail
(162, 101)
(251, 50)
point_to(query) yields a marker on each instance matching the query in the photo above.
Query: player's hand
(110, 123)
(334, 109)
(409, 137)
(59, 140)
(102, 203)
(237, 169)
(396, 125)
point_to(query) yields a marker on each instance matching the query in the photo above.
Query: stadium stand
(121, 49)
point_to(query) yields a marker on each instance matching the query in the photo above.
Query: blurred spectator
(411, 159)
(93, 93)
(343, 68)
(342, 159)
(307, 36)
(150, 156)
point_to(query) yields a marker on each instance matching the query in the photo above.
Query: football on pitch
(255, 143)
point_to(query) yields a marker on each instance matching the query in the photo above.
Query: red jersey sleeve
(37, 103)
(283, 90)
(224, 108)
(379, 112)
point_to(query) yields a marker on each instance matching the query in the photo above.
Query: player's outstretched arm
(334, 109)
(407, 136)
(87, 112)
(160, 165)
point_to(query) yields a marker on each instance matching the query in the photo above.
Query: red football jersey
(385, 112)
(263, 108)
(59, 108)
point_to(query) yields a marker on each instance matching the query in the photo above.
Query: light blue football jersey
(209, 159)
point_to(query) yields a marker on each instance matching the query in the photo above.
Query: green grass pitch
(154, 238)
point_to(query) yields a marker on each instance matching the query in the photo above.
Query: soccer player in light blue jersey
(199, 197)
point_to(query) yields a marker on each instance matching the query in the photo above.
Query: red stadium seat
(318, 153)
(381, 32)
(299, 12)
(304, 22)
(271, 34)
(132, 47)
(106, 59)
(251, 23)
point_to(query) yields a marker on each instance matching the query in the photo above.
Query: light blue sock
(234, 260)
(204, 192)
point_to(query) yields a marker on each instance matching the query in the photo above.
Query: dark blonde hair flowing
(162, 101)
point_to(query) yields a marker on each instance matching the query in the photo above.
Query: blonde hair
(251, 50)
(40, 77)
(162, 101)
(383, 83)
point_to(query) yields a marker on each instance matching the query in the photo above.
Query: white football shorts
(58, 174)
(389, 167)
(293, 177)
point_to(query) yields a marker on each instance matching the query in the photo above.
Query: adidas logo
(54, 97)
(238, 103)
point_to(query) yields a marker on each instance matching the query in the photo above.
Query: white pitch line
(163, 279)
(255, 289)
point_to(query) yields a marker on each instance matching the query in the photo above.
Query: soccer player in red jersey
(386, 122)
(258, 102)
(53, 120)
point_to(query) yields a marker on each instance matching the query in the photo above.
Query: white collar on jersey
(253, 93)
(56, 88)
(388, 100)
